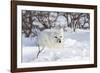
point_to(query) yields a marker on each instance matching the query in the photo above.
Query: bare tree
(45, 20)
(26, 22)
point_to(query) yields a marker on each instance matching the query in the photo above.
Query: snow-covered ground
(76, 47)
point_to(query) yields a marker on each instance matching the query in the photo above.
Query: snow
(76, 47)
(28, 41)
(36, 22)
(52, 16)
(86, 25)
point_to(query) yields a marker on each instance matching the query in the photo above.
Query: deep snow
(76, 47)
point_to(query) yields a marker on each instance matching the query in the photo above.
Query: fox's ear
(61, 30)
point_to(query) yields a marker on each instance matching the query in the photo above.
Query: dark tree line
(33, 21)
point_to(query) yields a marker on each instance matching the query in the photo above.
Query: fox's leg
(40, 49)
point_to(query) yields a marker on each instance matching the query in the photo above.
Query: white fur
(47, 38)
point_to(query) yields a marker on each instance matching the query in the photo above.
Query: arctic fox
(51, 38)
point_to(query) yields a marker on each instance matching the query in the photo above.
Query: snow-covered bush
(61, 22)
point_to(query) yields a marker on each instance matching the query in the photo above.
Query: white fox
(51, 38)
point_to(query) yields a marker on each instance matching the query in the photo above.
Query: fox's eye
(55, 36)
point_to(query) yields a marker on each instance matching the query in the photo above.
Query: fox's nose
(59, 41)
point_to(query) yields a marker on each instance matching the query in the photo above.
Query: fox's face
(57, 36)
(52, 38)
